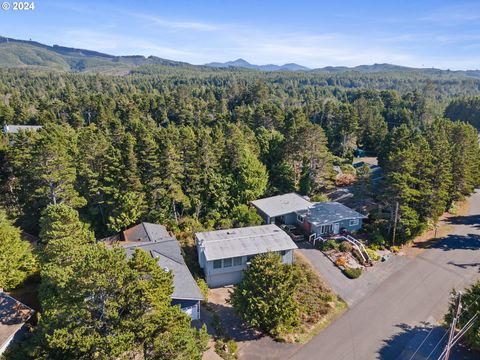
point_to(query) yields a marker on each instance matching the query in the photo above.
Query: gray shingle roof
(14, 129)
(329, 212)
(156, 241)
(281, 204)
(245, 241)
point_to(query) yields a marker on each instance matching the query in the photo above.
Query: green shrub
(348, 169)
(226, 349)
(373, 255)
(202, 284)
(319, 198)
(345, 246)
(377, 239)
(395, 249)
(453, 210)
(352, 273)
(329, 245)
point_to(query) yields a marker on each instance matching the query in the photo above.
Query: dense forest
(193, 148)
(190, 148)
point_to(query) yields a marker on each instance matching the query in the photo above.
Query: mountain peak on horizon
(27, 53)
(242, 63)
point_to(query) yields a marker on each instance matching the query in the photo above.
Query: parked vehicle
(295, 233)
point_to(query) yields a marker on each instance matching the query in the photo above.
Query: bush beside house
(282, 300)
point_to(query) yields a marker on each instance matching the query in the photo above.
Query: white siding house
(224, 254)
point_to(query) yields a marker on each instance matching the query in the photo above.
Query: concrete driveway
(397, 314)
(351, 290)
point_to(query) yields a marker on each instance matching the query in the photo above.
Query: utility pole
(395, 224)
(453, 326)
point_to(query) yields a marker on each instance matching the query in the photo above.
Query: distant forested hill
(22, 53)
(30, 54)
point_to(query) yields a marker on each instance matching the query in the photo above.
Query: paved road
(351, 291)
(396, 316)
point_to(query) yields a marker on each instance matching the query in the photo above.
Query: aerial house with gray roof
(224, 254)
(156, 241)
(281, 209)
(328, 218)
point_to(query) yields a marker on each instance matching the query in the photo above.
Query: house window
(227, 262)
(248, 258)
(283, 252)
(300, 218)
(217, 264)
(353, 222)
(326, 229)
(237, 261)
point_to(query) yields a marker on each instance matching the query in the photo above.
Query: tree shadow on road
(452, 242)
(465, 265)
(465, 220)
(420, 343)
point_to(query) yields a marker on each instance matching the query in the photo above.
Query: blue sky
(442, 34)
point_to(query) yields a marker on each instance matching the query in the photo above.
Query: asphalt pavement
(394, 318)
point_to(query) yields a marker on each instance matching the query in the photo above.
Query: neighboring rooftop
(156, 241)
(282, 204)
(222, 244)
(14, 129)
(146, 232)
(328, 212)
(13, 314)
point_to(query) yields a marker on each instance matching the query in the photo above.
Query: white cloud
(178, 24)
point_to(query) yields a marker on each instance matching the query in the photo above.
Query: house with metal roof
(224, 254)
(15, 129)
(281, 209)
(327, 218)
(13, 316)
(156, 241)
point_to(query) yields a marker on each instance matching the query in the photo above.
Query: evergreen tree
(362, 188)
(62, 223)
(470, 303)
(266, 296)
(54, 171)
(249, 175)
(372, 128)
(110, 307)
(465, 159)
(16, 258)
(308, 154)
